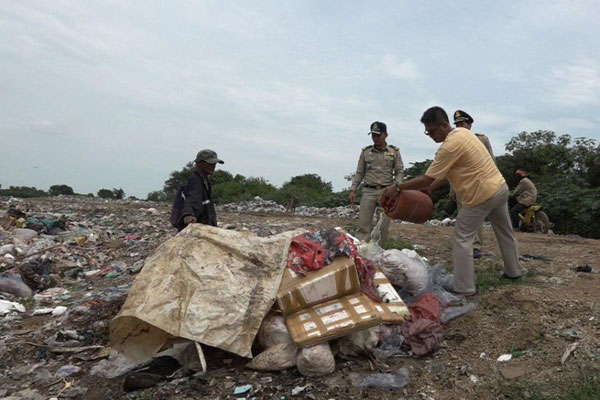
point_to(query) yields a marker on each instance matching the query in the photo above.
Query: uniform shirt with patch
(468, 166)
(378, 167)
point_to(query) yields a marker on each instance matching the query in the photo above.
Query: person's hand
(189, 219)
(352, 197)
(426, 190)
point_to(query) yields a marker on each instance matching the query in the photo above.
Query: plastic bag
(275, 358)
(391, 341)
(359, 342)
(15, 286)
(273, 330)
(381, 381)
(405, 269)
(316, 360)
(454, 312)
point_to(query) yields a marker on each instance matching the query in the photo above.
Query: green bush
(56, 190)
(22, 191)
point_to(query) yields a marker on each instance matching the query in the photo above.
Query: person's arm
(358, 176)
(398, 168)
(438, 183)
(194, 197)
(519, 188)
(415, 184)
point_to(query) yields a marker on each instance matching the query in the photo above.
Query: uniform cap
(208, 156)
(377, 128)
(460, 116)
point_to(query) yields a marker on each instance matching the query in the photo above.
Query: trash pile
(329, 300)
(284, 301)
(65, 267)
(259, 205)
(444, 222)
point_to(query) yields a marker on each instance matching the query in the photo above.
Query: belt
(377, 187)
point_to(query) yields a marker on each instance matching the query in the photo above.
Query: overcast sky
(103, 94)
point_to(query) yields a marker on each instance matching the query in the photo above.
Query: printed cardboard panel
(333, 319)
(392, 309)
(333, 281)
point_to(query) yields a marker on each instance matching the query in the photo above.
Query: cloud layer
(113, 94)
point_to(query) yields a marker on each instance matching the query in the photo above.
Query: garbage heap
(65, 268)
(301, 297)
(259, 205)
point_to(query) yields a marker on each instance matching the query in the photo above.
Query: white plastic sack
(276, 358)
(405, 269)
(273, 331)
(316, 360)
(360, 342)
(208, 285)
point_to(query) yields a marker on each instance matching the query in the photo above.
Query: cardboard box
(392, 309)
(333, 281)
(333, 319)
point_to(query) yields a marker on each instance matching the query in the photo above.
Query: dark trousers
(515, 209)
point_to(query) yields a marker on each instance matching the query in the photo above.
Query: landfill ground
(554, 309)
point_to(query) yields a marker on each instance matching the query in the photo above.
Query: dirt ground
(553, 308)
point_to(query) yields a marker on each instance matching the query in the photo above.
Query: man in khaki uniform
(464, 120)
(525, 195)
(379, 166)
(468, 166)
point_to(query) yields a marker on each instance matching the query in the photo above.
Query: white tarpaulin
(208, 285)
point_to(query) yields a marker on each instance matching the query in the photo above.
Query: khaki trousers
(371, 198)
(467, 222)
(478, 242)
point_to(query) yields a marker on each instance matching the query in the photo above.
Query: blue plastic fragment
(242, 389)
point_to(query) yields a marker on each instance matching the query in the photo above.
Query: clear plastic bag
(381, 381)
(405, 269)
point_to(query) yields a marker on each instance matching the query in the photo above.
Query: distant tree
(416, 169)
(177, 178)
(106, 194)
(90, 195)
(22, 191)
(157, 195)
(221, 176)
(56, 190)
(307, 189)
(118, 193)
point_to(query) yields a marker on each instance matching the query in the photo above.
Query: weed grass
(489, 275)
(397, 243)
(587, 389)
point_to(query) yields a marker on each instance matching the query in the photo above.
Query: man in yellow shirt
(468, 166)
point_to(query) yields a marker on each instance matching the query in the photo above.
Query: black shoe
(523, 274)
(476, 253)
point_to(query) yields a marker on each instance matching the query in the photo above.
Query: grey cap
(208, 156)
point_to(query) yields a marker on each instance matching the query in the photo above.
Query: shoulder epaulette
(366, 147)
(394, 147)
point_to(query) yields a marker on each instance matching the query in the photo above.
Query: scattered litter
(505, 357)
(584, 268)
(381, 381)
(242, 389)
(568, 352)
(298, 389)
(571, 334)
(68, 370)
(8, 306)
